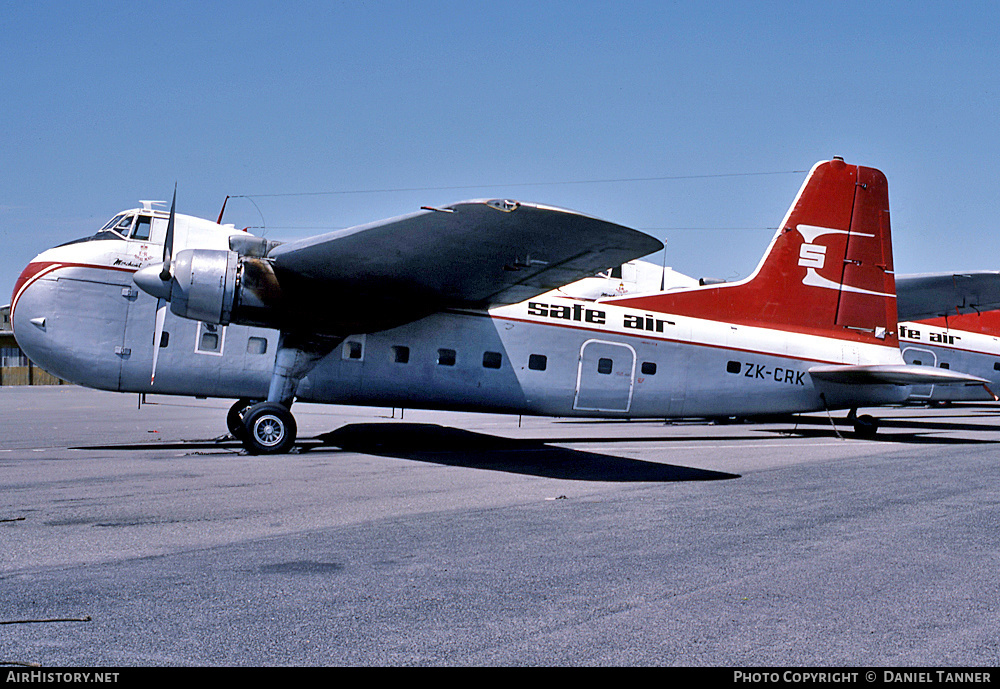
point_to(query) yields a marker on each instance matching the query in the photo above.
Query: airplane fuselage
(79, 315)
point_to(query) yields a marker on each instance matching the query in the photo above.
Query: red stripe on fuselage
(38, 269)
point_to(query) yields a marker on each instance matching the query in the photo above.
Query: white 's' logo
(812, 257)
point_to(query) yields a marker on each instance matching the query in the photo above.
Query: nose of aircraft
(69, 322)
(27, 319)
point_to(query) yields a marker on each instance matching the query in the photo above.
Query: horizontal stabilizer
(930, 295)
(893, 375)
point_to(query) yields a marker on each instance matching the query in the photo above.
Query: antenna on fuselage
(219, 221)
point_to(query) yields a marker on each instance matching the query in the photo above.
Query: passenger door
(605, 377)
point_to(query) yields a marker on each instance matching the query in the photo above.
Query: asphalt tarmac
(135, 537)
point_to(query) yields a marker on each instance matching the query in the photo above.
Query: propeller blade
(161, 314)
(168, 242)
(165, 277)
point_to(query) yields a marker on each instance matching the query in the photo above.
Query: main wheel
(866, 426)
(234, 420)
(270, 429)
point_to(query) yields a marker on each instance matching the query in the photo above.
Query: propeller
(158, 283)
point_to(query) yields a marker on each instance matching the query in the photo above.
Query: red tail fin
(828, 270)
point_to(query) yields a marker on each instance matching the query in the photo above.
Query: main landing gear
(865, 426)
(268, 427)
(264, 428)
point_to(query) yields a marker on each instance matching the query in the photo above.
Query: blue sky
(108, 103)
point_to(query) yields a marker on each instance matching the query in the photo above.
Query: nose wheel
(268, 429)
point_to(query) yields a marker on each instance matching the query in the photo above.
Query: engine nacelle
(204, 286)
(223, 287)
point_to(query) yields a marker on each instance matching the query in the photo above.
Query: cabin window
(164, 339)
(918, 362)
(141, 230)
(944, 365)
(537, 362)
(257, 345)
(616, 272)
(996, 366)
(446, 357)
(648, 368)
(605, 366)
(210, 338)
(733, 367)
(401, 354)
(353, 349)
(492, 359)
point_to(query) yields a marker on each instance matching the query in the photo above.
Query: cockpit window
(118, 228)
(124, 225)
(111, 223)
(141, 230)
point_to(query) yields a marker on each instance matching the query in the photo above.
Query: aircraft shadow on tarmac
(457, 447)
(921, 431)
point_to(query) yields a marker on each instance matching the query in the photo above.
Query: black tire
(866, 427)
(234, 420)
(270, 429)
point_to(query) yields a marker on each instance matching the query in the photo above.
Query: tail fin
(828, 270)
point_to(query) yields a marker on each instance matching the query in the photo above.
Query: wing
(473, 254)
(930, 295)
